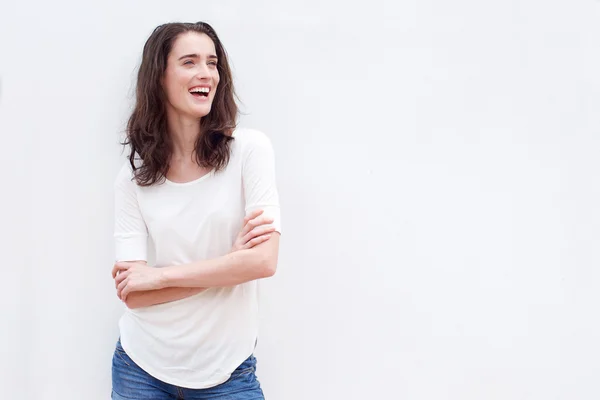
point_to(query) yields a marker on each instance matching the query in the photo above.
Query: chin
(200, 112)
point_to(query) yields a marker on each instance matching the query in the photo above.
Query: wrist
(166, 277)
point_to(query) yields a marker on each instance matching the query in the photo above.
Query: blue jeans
(129, 381)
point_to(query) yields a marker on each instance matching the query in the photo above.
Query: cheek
(176, 86)
(216, 83)
(173, 94)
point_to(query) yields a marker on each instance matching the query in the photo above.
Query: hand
(136, 276)
(256, 230)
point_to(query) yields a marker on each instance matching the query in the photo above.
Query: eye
(188, 62)
(212, 63)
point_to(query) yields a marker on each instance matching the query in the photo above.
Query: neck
(184, 132)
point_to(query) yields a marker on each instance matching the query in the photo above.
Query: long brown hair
(147, 134)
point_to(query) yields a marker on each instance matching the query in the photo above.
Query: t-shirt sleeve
(258, 173)
(130, 231)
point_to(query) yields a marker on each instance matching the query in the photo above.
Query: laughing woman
(205, 193)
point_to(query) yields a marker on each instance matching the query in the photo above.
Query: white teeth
(200, 90)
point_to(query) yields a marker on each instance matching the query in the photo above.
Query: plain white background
(438, 171)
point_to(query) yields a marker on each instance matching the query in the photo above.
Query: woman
(205, 193)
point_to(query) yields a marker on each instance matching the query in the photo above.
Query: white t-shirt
(199, 341)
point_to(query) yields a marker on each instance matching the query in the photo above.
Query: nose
(203, 71)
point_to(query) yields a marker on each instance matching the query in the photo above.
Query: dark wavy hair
(147, 135)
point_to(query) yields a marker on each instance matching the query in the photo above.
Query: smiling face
(191, 78)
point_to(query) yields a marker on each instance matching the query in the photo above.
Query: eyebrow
(210, 56)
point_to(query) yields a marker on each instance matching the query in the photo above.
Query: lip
(201, 86)
(201, 99)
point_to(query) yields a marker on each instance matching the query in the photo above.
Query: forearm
(229, 270)
(152, 297)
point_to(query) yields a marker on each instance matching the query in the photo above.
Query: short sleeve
(258, 174)
(130, 231)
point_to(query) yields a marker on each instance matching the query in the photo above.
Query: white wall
(438, 169)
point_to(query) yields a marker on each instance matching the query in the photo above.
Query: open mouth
(200, 91)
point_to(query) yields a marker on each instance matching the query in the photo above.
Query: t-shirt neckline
(202, 178)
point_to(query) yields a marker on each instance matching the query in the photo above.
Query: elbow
(269, 270)
(268, 267)
(132, 302)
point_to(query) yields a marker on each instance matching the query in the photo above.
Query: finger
(122, 276)
(125, 292)
(263, 220)
(121, 266)
(258, 231)
(256, 241)
(252, 215)
(119, 278)
(122, 285)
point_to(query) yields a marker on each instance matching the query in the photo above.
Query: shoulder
(125, 175)
(247, 138)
